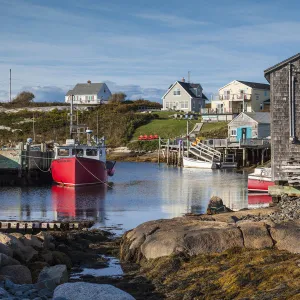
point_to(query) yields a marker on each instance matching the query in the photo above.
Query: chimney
(89, 82)
(183, 80)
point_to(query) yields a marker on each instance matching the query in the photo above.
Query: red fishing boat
(77, 164)
(260, 180)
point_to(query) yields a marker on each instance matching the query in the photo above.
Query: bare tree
(117, 97)
(23, 98)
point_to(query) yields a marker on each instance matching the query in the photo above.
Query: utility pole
(9, 85)
(187, 138)
(33, 129)
(189, 76)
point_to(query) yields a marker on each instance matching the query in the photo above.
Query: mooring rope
(49, 170)
(92, 173)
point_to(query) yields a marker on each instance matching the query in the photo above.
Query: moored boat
(78, 164)
(260, 180)
(189, 162)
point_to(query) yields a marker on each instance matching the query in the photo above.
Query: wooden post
(244, 157)
(168, 151)
(179, 154)
(158, 158)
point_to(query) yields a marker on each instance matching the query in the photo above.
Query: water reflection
(258, 200)
(80, 203)
(141, 192)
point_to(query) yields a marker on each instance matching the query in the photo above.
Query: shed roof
(260, 117)
(86, 88)
(280, 65)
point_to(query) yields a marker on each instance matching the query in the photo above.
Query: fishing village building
(284, 79)
(184, 96)
(88, 94)
(242, 96)
(249, 125)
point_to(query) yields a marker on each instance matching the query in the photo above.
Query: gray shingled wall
(282, 149)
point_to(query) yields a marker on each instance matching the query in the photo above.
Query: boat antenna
(71, 117)
(97, 127)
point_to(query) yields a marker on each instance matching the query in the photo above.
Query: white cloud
(170, 20)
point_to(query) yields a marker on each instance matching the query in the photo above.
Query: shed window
(91, 152)
(233, 132)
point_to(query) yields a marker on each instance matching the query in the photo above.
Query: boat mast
(71, 117)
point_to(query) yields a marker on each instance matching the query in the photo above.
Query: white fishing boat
(189, 162)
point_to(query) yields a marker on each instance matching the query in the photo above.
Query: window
(233, 132)
(182, 104)
(63, 152)
(91, 152)
(93, 98)
(186, 104)
(167, 104)
(266, 93)
(104, 91)
(176, 92)
(86, 97)
(77, 152)
(257, 97)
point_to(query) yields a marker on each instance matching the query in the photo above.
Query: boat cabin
(93, 152)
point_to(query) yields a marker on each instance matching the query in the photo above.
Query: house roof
(280, 65)
(256, 85)
(260, 117)
(69, 93)
(86, 89)
(189, 86)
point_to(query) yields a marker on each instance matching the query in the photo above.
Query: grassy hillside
(171, 128)
(165, 128)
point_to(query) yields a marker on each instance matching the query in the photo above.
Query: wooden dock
(25, 165)
(38, 225)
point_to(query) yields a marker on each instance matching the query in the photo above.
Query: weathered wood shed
(249, 126)
(284, 79)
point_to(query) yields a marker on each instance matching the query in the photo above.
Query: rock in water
(84, 290)
(50, 277)
(18, 273)
(216, 206)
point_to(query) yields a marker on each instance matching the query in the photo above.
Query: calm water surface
(141, 192)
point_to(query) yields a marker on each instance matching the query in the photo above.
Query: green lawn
(213, 126)
(165, 128)
(170, 128)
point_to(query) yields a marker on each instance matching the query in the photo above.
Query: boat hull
(259, 184)
(78, 171)
(194, 163)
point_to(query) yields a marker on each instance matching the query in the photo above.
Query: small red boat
(260, 180)
(78, 164)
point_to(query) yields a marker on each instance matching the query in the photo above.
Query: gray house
(249, 125)
(184, 96)
(284, 79)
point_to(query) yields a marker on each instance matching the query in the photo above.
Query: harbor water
(139, 192)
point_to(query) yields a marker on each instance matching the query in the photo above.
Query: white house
(88, 93)
(184, 96)
(238, 96)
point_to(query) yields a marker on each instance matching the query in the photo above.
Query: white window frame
(233, 132)
(176, 92)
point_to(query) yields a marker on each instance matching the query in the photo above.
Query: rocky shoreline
(249, 254)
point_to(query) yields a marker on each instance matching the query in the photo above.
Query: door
(243, 133)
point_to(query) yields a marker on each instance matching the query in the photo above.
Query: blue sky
(141, 47)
